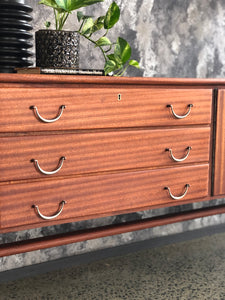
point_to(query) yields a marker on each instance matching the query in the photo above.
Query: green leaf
(103, 41)
(110, 66)
(122, 51)
(97, 27)
(111, 57)
(134, 63)
(50, 3)
(47, 24)
(100, 19)
(92, 26)
(80, 16)
(118, 63)
(98, 24)
(70, 5)
(112, 16)
(87, 28)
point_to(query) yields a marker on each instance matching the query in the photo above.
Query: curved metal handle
(62, 107)
(179, 159)
(51, 217)
(37, 166)
(177, 197)
(178, 116)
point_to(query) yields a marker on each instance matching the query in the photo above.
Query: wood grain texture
(88, 108)
(115, 149)
(36, 79)
(103, 195)
(219, 172)
(100, 151)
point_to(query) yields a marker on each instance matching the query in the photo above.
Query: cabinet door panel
(219, 172)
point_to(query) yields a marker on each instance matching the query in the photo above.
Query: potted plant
(116, 54)
(59, 48)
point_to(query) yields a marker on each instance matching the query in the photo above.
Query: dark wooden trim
(78, 236)
(213, 139)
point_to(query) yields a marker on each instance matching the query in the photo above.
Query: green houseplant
(63, 8)
(117, 54)
(59, 48)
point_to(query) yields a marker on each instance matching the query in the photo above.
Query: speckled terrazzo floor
(192, 270)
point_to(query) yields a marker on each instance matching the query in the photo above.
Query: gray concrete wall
(170, 38)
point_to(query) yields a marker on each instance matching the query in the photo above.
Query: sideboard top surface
(109, 80)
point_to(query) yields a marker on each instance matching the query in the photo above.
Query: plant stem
(60, 22)
(92, 41)
(120, 73)
(79, 30)
(63, 20)
(56, 20)
(106, 32)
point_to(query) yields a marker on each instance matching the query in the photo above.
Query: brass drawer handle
(51, 217)
(179, 159)
(61, 108)
(177, 197)
(37, 166)
(178, 116)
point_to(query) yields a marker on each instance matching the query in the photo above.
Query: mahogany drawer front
(95, 196)
(101, 151)
(101, 107)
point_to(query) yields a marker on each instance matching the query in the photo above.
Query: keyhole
(119, 97)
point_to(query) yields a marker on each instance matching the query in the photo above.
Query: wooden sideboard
(82, 147)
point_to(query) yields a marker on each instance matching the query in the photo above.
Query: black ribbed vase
(57, 49)
(15, 38)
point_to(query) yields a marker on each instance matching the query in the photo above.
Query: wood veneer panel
(95, 196)
(219, 172)
(100, 151)
(37, 79)
(99, 107)
(144, 104)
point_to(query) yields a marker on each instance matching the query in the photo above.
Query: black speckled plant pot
(57, 49)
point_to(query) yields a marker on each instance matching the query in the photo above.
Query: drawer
(101, 107)
(95, 196)
(101, 151)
